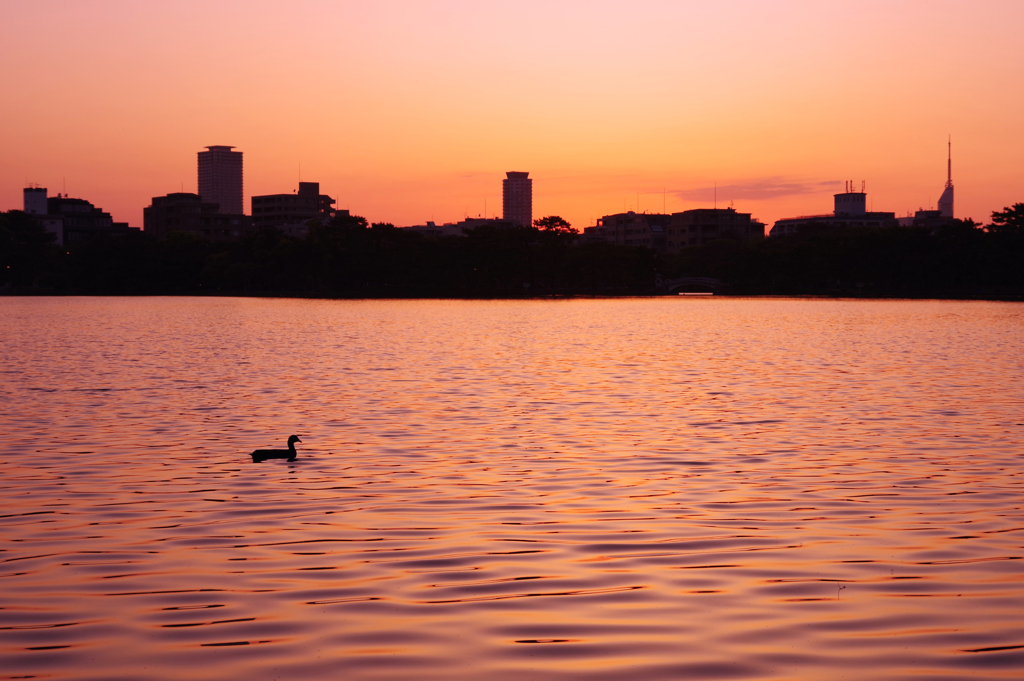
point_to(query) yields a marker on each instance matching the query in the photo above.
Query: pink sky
(412, 111)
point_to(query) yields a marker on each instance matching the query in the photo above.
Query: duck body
(289, 454)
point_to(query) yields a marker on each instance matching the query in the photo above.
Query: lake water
(632, 489)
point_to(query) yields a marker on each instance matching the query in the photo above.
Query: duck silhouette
(264, 454)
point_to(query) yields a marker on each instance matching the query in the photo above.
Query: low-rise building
(457, 228)
(701, 225)
(631, 229)
(70, 219)
(850, 211)
(185, 212)
(292, 210)
(670, 233)
(931, 220)
(433, 229)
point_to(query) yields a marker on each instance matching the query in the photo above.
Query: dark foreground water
(610, 489)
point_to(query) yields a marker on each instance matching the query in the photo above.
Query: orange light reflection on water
(590, 489)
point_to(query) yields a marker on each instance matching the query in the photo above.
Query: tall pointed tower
(946, 200)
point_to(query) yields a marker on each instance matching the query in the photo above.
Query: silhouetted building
(850, 211)
(473, 223)
(457, 228)
(517, 199)
(34, 199)
(35, 203)
(71, 219)
(926, 219)
(220, 178)
(631, 229)
(185, 212)
(431, 228)
(670, 233)
(699, 226)
(291, 212)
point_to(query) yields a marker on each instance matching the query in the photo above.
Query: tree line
(348, 257)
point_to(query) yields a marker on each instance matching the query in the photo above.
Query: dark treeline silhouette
(347, 257)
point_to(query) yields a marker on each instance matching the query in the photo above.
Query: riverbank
(342, 260)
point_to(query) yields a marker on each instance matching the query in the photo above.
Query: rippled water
(590, 489)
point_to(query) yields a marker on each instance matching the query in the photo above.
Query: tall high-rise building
(946, 200)
(517, 199)
(220, 178)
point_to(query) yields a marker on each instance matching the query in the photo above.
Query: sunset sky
(411, 111)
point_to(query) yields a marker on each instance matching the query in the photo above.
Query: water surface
(587, 489)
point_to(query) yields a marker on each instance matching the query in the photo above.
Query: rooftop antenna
(863, 185)
(716, 194)
(663, 193)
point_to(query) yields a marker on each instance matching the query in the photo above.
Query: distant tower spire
(949, 162)
(946, 200)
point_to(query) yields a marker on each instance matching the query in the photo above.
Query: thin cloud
(757, 190)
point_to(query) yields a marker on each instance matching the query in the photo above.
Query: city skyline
(770, 108)
(220, 169)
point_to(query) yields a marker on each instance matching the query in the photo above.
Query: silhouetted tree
(348, 257)
(347, 221)
(1008, 220)
(556, 224)
(966, 223)
(28, 252)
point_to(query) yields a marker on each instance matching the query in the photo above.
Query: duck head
(293, 439)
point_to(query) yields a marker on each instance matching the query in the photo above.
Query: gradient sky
(411, 111)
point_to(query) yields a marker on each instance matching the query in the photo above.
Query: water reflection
(507, 490)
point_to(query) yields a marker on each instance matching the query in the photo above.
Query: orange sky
(412, 111)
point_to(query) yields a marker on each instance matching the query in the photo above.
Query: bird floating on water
(264, 454)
